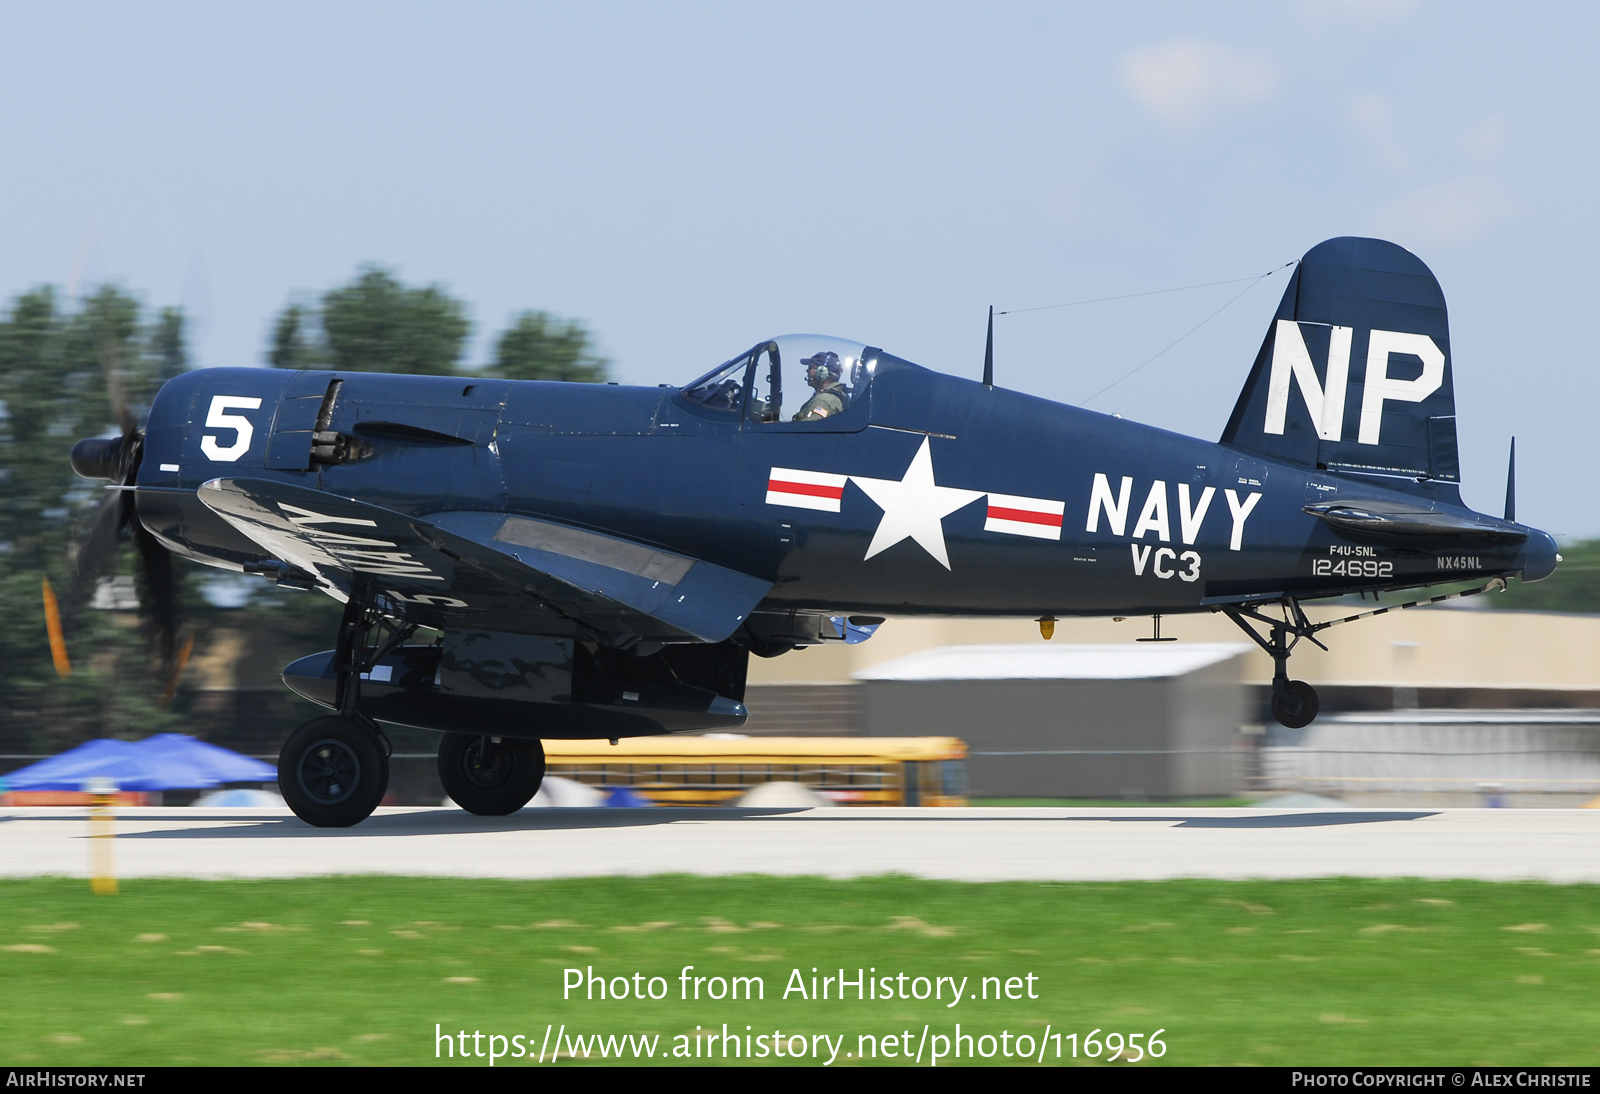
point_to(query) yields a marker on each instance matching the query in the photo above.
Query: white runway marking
(960, 844)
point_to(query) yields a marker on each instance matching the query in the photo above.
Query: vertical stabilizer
(1355, 373)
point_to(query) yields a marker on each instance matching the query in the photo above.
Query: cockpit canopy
(795, 378)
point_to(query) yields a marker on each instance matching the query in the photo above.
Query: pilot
(823, 374)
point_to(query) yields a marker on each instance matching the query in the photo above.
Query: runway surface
(960, 844)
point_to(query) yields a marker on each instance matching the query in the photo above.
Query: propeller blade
(52, 626)
(177, 671)
(97, 555)
(118, 460)
(117, 388)
(161, 590)
(97, 551)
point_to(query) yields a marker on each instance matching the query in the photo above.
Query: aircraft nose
(1539, 556)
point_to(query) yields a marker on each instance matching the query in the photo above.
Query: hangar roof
(1038, 661)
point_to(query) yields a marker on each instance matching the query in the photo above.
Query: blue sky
(689, 178)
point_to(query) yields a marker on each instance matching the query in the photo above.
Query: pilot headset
(820, 368)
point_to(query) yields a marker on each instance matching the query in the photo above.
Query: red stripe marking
(1025, 516)
(777, 486)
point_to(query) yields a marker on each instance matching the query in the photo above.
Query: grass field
(359, 970)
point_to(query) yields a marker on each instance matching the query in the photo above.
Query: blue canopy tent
(221, 764)
(167, 761)
(72, 768)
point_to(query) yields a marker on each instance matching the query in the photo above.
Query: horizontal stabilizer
(1394, 519)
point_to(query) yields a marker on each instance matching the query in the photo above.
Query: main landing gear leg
(1294, 702)
(333, 771)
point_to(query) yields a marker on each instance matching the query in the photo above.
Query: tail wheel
(1297, 707)
(490, 776)
(332, 772)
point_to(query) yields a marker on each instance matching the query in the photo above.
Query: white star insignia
(914, 507)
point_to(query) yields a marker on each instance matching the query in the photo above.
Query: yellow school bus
(718, 770)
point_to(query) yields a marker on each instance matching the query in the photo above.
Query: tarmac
(978, 844)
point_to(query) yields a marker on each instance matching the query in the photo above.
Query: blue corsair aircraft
(601, 561)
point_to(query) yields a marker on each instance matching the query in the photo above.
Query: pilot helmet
(823, 366)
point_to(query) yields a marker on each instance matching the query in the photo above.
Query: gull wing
(490, 570)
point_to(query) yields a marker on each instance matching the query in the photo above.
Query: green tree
(377, 324)
(538, 346)
(374, 324)
(291, 348)
(167, 345)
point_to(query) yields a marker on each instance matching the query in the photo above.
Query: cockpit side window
(807, 378)
(798, 381)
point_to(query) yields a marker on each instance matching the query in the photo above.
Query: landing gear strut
(1294, 702)
(333, 771)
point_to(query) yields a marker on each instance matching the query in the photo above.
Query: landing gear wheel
(1298, 705)
(490, 776)
(332, 772)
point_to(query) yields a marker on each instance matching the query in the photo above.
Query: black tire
(1298, 706)
(332, 772)
(490, 776)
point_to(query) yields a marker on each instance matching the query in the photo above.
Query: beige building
(1451, 656)
(1446, 705)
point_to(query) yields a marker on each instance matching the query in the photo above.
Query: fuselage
(1071, 512)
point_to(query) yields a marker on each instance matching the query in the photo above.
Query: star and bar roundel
(914, 506)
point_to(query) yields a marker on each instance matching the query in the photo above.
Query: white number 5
(219, 418)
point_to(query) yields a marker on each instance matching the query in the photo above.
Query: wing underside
(490, 570)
